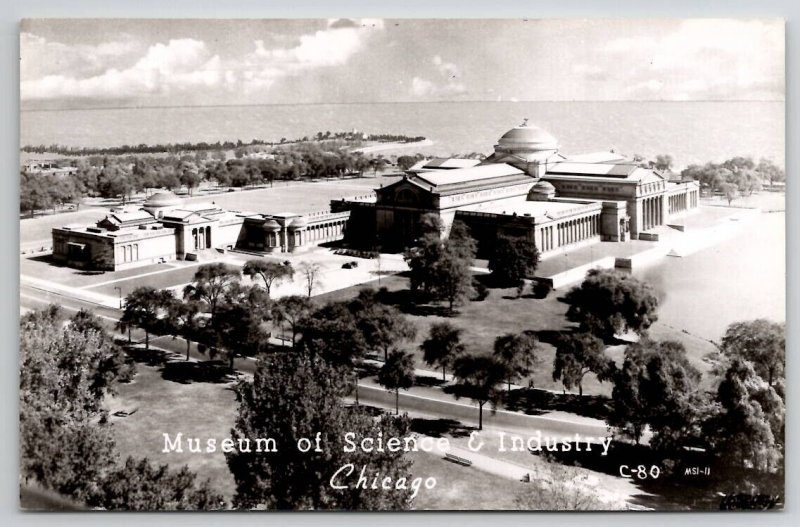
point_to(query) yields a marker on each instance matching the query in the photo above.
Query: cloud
(448, 84)
(182, 64)
(41, 57)
(702, 58)
(178, 65)
(333, 46)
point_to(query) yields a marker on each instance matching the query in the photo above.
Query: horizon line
(356, 103)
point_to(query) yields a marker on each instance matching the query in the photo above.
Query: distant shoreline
(392, 146)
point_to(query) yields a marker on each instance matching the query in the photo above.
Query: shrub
(481, 291)
(541, 289)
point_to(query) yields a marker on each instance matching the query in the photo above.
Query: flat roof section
(467, 175)
(536, 209)
(593, 169)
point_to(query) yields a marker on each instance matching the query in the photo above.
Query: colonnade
(682, 202)
(571, 231)
(652, 213)
(325, 231)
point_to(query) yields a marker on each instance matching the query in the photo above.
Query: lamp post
(119, 290)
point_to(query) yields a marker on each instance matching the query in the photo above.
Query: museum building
(164, 229)
(525, 188)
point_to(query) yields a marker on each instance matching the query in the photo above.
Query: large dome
(163, 199)
(527, 138)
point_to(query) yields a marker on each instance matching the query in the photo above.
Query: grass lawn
(501, 312)
(40, 227)
(198, 409)
(482, 322)
(43, 267)
(180, 274)
(203, 409)
(459, 487)
(297, 197)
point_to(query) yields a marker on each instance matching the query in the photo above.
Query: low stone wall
(578, 273)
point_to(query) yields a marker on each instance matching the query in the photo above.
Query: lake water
(692, 132)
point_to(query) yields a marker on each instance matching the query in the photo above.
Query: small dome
(542, 191)
(543, 187)
(298, 223)
(527, 137)
(271, 225)
(163, 199)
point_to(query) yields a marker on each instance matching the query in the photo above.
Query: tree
(663, 163)
(518, 352)
(111, 366)
(66, 444)
(144, 308)
(478, 377)
(442, 268)
(61, 446)
(405, 162)
(578, 354)
(514, 260)
(609, 302)
(769, 171)
(453, 279)
(182, 320)
(212, 282)
(271, 273)
(443, 346)
(748, 427)
(760, 341)
(310, 272)
(291, 397)
(238, 326)
(383, 326)
(452, 272)
(728, 190)
(397, 373)
(138, 485)
(291, 309)
(332, 333)
(558, 491)
(657, 387)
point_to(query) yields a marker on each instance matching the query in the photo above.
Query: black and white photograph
(412, 264)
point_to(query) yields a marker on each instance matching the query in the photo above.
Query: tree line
(122, 177)
(203, 146)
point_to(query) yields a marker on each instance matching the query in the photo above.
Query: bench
(455, 459)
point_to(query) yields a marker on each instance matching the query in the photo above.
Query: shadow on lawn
(174, 368)
(413, 303)
(212, 371)
(550, 336)
(427, 381)
(151, 357)
(440, 427)
(535, 402)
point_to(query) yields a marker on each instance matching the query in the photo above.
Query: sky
(135, 62)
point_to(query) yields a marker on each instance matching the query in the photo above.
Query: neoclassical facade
(164, 228)
(525, 188)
